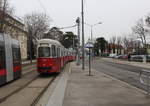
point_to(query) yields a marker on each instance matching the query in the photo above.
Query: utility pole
(91, 33)
(78, 48)
(83, 51)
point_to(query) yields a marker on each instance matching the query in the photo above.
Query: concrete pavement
(100, 90)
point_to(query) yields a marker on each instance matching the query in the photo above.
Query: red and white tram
(10, 59)
(51, 56)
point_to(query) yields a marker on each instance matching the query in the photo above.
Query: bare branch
(37, 24)
(139, 31)
(113, 41)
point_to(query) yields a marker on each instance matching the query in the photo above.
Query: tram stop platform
(96, 90)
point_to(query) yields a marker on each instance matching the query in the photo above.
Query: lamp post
(92, 28)
(92, 31)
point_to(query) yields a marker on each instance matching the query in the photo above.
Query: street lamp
(92, 28)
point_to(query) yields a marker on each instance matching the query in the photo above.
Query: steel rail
(17, 90)
(43, 91)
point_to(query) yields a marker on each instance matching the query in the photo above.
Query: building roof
(12, 17)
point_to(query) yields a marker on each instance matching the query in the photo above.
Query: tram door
(16, 59)
(9, 60)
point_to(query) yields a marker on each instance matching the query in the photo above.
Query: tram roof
(50, 41)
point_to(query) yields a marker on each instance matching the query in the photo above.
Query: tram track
(32, 88)
(28, 67)
(17, 90)
(42, 92)
(34, 103)
(28, 72)
(23, 86)
(29, 86)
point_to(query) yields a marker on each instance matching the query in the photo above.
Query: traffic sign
(89, 45)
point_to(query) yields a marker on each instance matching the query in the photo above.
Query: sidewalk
(100, 90)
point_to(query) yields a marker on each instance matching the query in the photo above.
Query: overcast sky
(117, 16)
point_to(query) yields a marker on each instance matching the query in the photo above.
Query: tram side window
(53, 50)
(2, 57)
(16, 53)
(62, 53)
(44, 52)
(58, 52)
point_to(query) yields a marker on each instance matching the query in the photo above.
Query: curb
(54, 96)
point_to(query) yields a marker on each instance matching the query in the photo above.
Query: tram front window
(44, 52)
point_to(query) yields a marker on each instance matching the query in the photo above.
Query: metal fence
(144, 77)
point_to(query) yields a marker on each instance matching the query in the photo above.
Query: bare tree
(126, 44)
(119, 42)
(113, 42)
(137, 47)
(139, 31)
(5, 10)
(36, 24)
(129, 43)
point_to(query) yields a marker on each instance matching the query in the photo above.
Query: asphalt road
(126, 73)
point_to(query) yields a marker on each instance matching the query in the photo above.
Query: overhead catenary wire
(68, 27)
(45, 10)
(41, 4)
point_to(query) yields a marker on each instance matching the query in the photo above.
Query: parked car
(138, 58)
(148, 58)
(112, 55)
(118, 56)
(125, 56)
